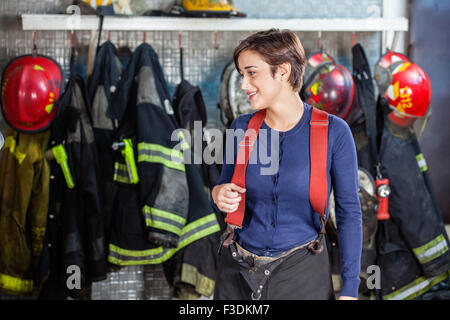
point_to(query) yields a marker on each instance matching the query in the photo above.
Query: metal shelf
(36, 22)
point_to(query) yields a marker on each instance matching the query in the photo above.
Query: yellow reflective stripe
(171, 158)
(157, 147)
(415, 288)
(161, 160)
(164, 214)
(162, 253)
(163, 226)
(10, 143)
(15, 284)
(198, 223)
(421, 162)
(121, 173)
(431, 250)
(201, 283)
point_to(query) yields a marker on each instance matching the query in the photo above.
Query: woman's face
(261, 88)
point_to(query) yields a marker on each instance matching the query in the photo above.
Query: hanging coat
(78, 237)
(189, 275)
(416, 215)
(152, 219)
(102, 85)
(24, 196)
(189, 107)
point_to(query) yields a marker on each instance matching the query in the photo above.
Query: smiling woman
(275, 244)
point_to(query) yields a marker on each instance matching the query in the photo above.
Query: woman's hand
(227, 196)
(347, 298)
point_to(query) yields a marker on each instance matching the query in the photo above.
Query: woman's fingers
(228, 207)
(236, 188)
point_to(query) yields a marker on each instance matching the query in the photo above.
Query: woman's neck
(285, 114)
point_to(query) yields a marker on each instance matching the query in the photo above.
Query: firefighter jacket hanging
(152, 219)
(189, 275)
(411, 248)
(24, 187)
(75, 233)
(189, 109)
(102, 84)
(415, 213)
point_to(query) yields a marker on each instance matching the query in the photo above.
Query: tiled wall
(203, 67)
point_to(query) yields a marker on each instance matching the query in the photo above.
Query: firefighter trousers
(297, 275)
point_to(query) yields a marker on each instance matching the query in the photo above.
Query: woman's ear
(284, 71)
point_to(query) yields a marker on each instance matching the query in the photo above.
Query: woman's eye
(251, 73)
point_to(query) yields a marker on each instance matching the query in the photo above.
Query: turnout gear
(153, 219)
(245, 276)
(330, 87)
(30, 87)
(103, 83)
(411, 246)
(411, 199)
(77, 239)
(138, 105)
(24, 195)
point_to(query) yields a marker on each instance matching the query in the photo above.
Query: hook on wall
(72, 39)
(216, 42)
(319, 40)
(34, 50)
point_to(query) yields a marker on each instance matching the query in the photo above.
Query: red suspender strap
(244, 151)
(318, 184)
(318, 189)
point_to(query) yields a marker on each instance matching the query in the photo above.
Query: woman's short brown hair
(277, 47)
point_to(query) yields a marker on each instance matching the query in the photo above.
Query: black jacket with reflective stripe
(75, 233)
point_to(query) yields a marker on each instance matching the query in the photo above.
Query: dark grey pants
(300, 275)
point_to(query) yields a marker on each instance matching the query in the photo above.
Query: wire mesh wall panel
(204, 61)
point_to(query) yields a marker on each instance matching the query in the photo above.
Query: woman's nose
(244, 83)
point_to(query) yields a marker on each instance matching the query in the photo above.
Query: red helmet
(320, 57)
(409, 91)
(30, 86)
(391, 57)
(330, 88)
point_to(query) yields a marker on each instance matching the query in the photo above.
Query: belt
(261, 260)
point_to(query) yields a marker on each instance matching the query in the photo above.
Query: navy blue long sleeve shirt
(278, 213)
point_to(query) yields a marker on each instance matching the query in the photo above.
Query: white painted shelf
(36, 22)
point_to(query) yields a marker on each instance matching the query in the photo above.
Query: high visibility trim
(431, 250)
(121, 173)
(143, 146)
(202, 284)
(190, 233)
(10, 143)
(421, 162)
(157, 224)
(164, 214)
(15, 284)
(415, 288)
(150, 152)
